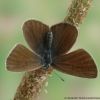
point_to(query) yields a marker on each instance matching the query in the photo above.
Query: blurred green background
(13, 13)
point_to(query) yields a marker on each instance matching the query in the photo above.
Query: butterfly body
(47, 56)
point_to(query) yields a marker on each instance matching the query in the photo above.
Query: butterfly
(49, 48)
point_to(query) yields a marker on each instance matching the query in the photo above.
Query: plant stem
(77, 11)
(33, 82)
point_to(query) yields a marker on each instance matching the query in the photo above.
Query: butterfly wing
(22, 59)
(34, 32)
(77, 63)
(64, 36)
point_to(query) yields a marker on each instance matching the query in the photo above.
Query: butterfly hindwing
(22, 59)
(64, 36)
(77, 63)
(34, 32)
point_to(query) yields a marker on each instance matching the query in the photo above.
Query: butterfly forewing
(34, 32)
(77, 63)
(64, 36)
(22, 59)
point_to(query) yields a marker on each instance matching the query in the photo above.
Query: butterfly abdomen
(47, 59)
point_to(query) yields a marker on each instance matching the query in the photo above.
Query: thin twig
(33, 82)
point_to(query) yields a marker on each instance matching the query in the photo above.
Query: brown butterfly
(50, 47)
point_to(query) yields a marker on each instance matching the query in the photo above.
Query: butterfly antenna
(59, 77)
